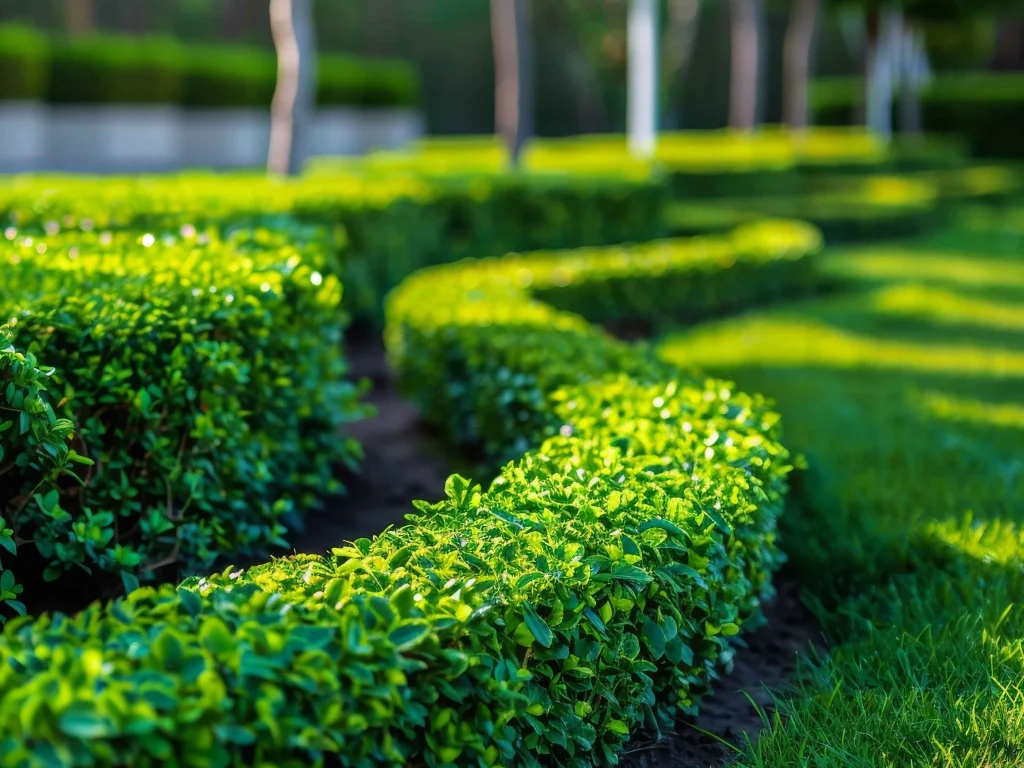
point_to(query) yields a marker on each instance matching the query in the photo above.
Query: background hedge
(108, 68)
(24, 63)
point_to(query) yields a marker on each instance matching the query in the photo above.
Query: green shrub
(348, 81)
(981, 107)
(844, 208)
(34, 452)
(206, 381)
(24, 60)
(591, 590)
(218, 76)
(386, 225)
(112, 69)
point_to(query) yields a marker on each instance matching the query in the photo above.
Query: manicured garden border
(590, 591)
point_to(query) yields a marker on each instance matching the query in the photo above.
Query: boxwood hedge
(377, 227)
(207, 383)
(592, 589)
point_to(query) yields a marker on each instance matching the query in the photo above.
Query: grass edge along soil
(591, 590)
(907, 522)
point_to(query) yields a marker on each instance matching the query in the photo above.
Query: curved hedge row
(589, 591)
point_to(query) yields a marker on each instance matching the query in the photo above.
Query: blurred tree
(796, 61)
(643, 77)
(233, 20)
(513, 70)
(746, 20)
(291, 23)
(896, 51)
(80, 16)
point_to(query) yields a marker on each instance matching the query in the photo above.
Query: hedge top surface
(591, 589)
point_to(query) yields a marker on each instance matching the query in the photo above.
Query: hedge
(592, 589)
(383, 226)
(982, 107)
(24, 61)
(207, 382)
(845, 208)
(108, 68)
(351, 81)
(114, 69)
(220, 76)
(705, 164)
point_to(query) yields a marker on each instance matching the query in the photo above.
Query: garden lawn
(905, 393)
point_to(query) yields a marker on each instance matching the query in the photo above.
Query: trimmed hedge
(591, 590)
(982, 107)
(381, 226)
(350, 81)
(24, 63)
(108, 68)
(845, 208)
(220, 77)
(208, 386)
(113, 69)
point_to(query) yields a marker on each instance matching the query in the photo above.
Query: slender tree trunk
(683, 23)
(136, 16)
(745, 72)
(80, 16)
(642, 91)
(797, 63)
(291, 23)
(882, 67)
(233, 21)
(914, 73)
(513, 75)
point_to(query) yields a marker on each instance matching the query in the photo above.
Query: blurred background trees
(580, 47)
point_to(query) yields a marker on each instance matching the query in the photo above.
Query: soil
(406, 461)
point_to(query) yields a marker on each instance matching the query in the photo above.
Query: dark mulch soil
(405, 461)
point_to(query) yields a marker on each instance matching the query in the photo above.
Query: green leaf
(85, 725)
(617, 726)
(409, 634)
(719, 520)
(654, 637)
(541, 632)
(662, 524)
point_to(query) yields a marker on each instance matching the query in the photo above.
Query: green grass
(905, 393)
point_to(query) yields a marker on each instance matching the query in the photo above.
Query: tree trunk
(80, 16)
(683, 23)
(513, 75)
(882, 62)
(914, 72)
(642, 91)
(233, 21)
(291, 23)
(136, 15)
(745, 72)
(797, 63)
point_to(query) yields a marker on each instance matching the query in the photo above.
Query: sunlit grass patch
(905, 397)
